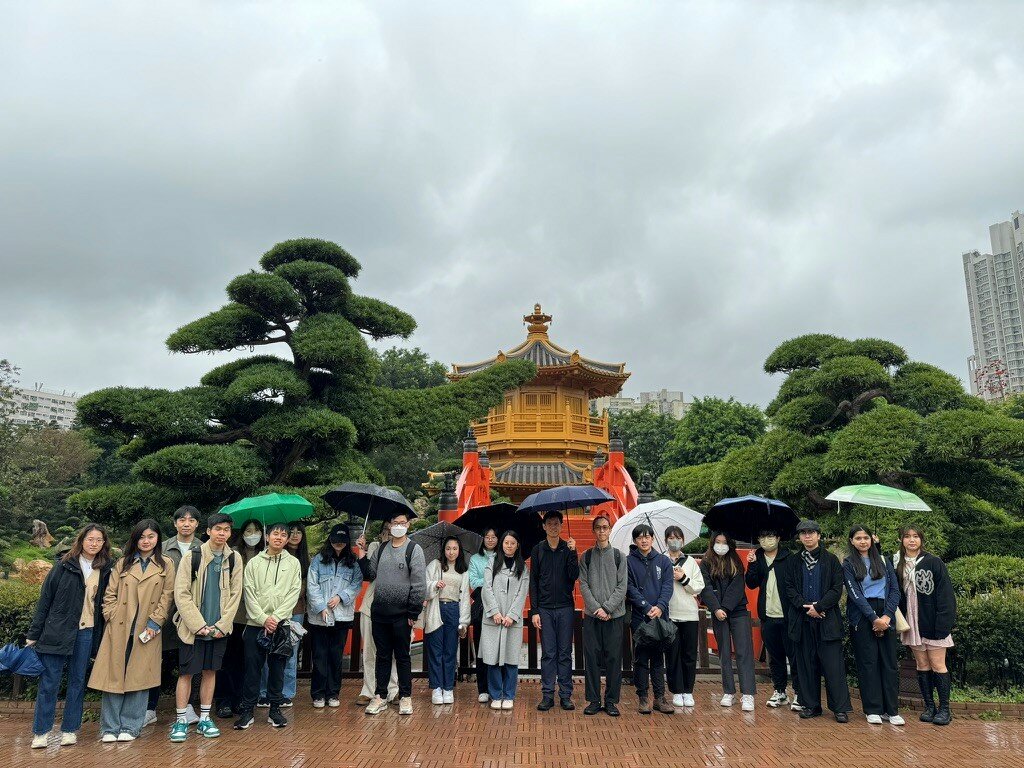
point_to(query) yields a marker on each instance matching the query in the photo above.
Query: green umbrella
(269, 509)
(874, 495)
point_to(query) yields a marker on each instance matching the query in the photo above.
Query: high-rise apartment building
(664, 401)
(44, 405)
(995, 299)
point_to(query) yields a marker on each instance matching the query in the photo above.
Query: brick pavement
(471, 734)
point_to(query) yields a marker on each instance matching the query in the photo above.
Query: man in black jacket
(765, 567)
(813, 585)
(554, 569)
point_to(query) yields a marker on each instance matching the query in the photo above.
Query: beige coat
(432, 610)
(189, 597)
(132, 598)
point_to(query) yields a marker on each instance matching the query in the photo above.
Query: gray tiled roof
(543, 356)
(539, 473)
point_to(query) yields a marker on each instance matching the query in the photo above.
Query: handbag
(901, 622)
(655, 633)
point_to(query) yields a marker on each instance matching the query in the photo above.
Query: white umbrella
(659, 515)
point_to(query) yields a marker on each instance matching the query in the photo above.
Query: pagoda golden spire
(537, 322)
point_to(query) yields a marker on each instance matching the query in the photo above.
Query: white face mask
(769, 543)
(398, 531)
(721, 549)
(252, 539)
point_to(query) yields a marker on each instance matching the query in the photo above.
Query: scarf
(811, 558)
(510, 562)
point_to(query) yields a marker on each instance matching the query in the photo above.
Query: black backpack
(195, 564)
(589, 555)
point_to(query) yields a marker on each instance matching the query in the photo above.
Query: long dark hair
(483, 547)
(102, 557)
(460, 561)
(328, 555)
(903, 552)
(853, 555)
(237, 543)
(722, 566)
(499, 557)
(302, 551)
(132, 547)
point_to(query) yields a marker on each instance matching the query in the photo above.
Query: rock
(35, 572)
(18, 565)
(40, 535)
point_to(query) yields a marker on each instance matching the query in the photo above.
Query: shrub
(982, 574)
(17, 603)
(1005, 539)
(989, 643)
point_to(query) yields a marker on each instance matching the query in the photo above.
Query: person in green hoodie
(271, 587)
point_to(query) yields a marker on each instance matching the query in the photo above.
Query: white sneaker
(688, 700)
(68, 739)
(778, 699)
(677, 700)
(125, 736)
(506, 704)
(483, 698)
(333, 702)
(496, 704)
(727, 700)
(405, 705)
(319, 703)
(747, 703)
(875, 719)
(376, 706)
(437, 697)
(150, 717)
(108, 738)
(191, 718)
(40, 741)
(795, 704)
(448, 697)
(896, 720)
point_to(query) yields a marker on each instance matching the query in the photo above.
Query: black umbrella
(503, 517)
(432, 537)
(564, 497)
(368, 501)
(744, 517)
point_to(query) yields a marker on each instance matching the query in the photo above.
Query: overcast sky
(683, 186)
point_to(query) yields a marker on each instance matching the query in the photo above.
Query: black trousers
(602, 654)
(815, 658)
(775, 635)
(393, 638)
(877, 671)
(232, 672)
(681, 657)
(481, 668)
(328, 645)
(255, 658)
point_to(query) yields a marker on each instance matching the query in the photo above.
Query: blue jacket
(857, 605)
(650, 584)
(327, 578)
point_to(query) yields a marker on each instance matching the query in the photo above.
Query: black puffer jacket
(55, 623)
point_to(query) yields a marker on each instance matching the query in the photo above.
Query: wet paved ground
(471, 734)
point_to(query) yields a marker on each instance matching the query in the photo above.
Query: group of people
(229, 613)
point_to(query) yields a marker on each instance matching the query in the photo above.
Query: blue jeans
(291, 669)
(556, 650)
(49, 685)
(123, 712)
(502, 680)
(442, 647)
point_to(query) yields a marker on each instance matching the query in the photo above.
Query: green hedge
(988, 540)
(981, 574)
(989, 641)
(17, 603)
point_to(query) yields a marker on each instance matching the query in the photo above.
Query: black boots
(927, 686)
(943, 683)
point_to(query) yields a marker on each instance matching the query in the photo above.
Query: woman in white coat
(446, 618)
(506, 585)
(687, 584)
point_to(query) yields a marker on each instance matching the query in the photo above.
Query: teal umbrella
(269, 509)
(875, 495)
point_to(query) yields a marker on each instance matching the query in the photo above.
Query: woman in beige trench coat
(135, 606)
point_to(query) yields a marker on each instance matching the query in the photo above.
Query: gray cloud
(683, 186)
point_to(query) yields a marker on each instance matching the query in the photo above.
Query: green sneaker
(208, 728)
(179, 731)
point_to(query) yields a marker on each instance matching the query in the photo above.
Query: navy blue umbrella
(744, 517)
(20, 661)
(564, 497)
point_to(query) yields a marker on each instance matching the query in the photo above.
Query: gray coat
(505, 595)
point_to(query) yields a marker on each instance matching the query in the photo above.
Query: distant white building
(45, 405)
(665, 401)
(995, 299)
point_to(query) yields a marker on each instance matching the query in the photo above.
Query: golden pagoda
(543, 434)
